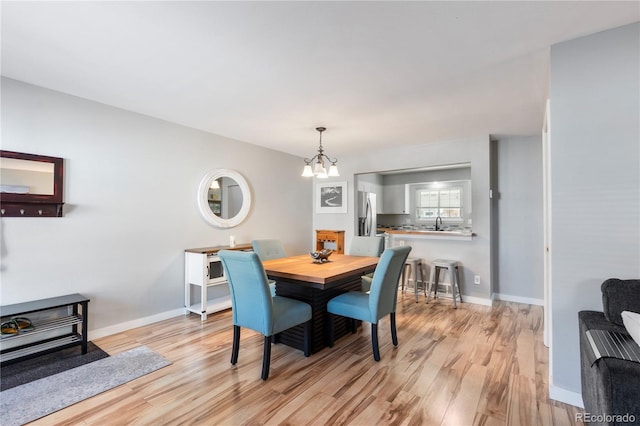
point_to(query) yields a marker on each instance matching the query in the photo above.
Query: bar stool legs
(415, 265)
(448, 265)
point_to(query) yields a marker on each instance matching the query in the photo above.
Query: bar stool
(452, 267)
(414, 264)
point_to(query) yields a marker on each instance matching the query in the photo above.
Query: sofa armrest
(610, 386)
(620, 295)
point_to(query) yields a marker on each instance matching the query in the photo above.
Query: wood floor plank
(475, 365)
(464, 404)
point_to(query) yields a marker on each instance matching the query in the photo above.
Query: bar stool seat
(447, 265)
(415, 265)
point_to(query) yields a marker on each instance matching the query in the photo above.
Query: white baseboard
(518, 299)
(140, 322)
(476, 300)
(124, 326)
(566, 396)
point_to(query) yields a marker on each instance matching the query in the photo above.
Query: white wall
(595, 182)
(520, 235)
(475, 255)
(130, 192)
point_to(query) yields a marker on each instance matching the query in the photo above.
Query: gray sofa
(610, 387)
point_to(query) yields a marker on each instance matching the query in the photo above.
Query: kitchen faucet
(438, 228)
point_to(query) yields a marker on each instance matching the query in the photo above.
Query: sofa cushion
(620, 295)
(631, 322)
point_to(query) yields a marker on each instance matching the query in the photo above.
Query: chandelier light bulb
(307, 172)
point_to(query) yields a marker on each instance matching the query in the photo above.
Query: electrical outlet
(401, 242)
(476, 279)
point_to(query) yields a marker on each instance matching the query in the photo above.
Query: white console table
(204, 274)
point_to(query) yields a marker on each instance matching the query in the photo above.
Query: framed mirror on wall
(224, 198)
(31, 185)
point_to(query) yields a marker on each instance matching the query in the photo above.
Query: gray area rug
(19, 373)
(28, 402)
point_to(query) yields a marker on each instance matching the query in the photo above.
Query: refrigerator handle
(367, 226)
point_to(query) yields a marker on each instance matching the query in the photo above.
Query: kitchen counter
(423, 233)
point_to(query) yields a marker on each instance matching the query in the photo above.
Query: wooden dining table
(298, 277)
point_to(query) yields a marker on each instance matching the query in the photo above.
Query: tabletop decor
(321, 256)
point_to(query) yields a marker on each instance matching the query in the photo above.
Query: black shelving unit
(75, 323)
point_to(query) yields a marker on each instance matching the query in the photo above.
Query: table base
(318, 299)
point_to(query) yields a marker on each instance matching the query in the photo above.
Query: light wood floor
(472, 366)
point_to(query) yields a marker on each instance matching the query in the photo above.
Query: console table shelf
(41, 339)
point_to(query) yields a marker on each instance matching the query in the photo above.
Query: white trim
(129, 325)
(518, 299)
(476, 300)
(546, 214)
(566, 396)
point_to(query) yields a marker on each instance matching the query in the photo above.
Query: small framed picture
(331, 197)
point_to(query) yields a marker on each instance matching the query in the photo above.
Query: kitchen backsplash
(399, 221)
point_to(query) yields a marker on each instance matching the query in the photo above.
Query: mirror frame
(203, 202)
(35, 205)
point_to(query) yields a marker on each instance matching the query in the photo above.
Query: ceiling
(374, 73)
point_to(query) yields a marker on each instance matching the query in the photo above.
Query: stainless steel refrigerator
(367, 223)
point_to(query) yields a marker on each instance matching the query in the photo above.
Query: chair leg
(458, 283)
(424, 284)
(352, 325)
(415, 281)
(453, 286)
(394, 333)
(330, 330)
(432, 278)
(236, 344)
(374, 342)
(307, 338)
(266, 357)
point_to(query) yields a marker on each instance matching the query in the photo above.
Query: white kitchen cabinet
(379, 191)
(395, 199)
(372, 183)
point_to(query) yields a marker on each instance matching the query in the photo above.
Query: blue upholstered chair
(379, 302)
(267, 250)
(253, 307)
(366, 246)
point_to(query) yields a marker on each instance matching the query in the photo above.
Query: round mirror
(224, 198)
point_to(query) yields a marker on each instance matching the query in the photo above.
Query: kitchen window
(445, 201)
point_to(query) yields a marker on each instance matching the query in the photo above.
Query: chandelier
(319, 169)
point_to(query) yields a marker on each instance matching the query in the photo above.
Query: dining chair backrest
(384, 286)
(366, 246)
(251, 300)
(269, 249)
